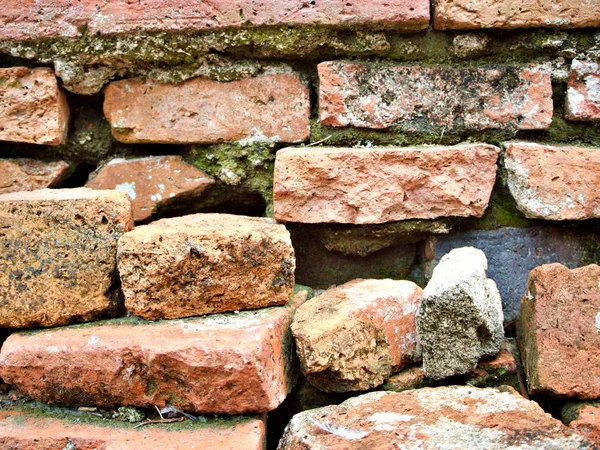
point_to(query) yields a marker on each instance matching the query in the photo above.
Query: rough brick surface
(377, 185)
(27, 431)
(428, 99)
(583, 91)
(230, 364)
(587, 423)
(28, 19)
(273, 106)
(205, 263)
(467, 14)
(554, 183)
(558, 331)
(431, 418)
(59, 257)
(33, 108)
(351, 338)
(152, 183)
(30, 174)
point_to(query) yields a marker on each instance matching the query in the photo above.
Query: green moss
(501, 212)
(570, 410)
(247, 164)
(38, 410)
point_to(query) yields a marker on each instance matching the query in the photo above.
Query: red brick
(30, 174)
(28, 431)
(587, 423)
(152, 183)
(583, 92)
(33, 108)
(554, 183)
(377, 185)
(205, 263)
(28, 19)
(457, 417)
(558, 331)
(352, 337)
(59, 257)
(229, 364)
(508, 14)
(274, 107)
(425, 99)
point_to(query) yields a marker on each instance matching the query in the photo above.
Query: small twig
(319, 142)
(149, 422)
(442, 135)
(159, 413)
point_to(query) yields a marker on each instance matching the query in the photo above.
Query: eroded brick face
(377, 185)
(583, 92)
(554, 182)
(269, 107)
(468, 14)
(64, 18)
(427, 99)
(33, 108)
(558, 329)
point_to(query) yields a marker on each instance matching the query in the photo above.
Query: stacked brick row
(202, 316)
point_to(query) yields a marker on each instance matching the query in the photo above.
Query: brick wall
(372, 137)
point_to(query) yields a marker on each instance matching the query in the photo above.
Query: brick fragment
(33, 108)
(558, 331)
(554, 183)
(59, 257)
(24, 430)
(583, 91)
(351, 338)
(587, 421)
(273, 107)
(205, 263)
(229, 364)
(30, 174)
(510, 14)
(425, 99)
(377, 185)
(462, 417)
(152, 183)
(28, 19)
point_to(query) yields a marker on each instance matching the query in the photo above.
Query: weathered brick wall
(380, 135)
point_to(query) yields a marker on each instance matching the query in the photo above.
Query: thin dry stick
(149, 422)
(319, 142)
(159, 413)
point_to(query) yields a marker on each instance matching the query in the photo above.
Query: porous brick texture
(152, 183)
(30, 174)
(583, 91)
(446, 417)
(558, 331)
(587, 422)
(230, 364)
(27, 19)
(377, 185)
(272, 107)
(59, 257)
(205, 263)
(466, 14)
(554, 183)
(424, 99)
(33, 107)
(24, 430)
(351, 338)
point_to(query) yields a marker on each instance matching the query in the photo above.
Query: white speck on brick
(128, 188)
(93, 340)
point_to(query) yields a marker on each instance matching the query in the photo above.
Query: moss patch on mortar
(39, 410)
(249, 165)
